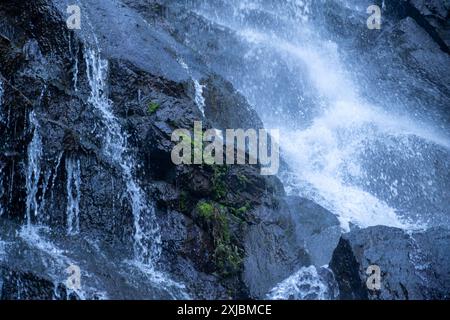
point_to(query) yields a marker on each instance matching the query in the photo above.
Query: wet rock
(414, 266)
(316, 228)
(272, 253)
(44, 73)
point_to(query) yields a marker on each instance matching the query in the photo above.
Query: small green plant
(227, 256)
(152, 107)
(183, 201)
(243, 180)
(205, 210)
(241, 212)
(219, 185)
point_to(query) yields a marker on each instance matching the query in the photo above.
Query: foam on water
(326, 153)
(305, 284)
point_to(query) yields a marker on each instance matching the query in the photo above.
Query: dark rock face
(298, 233)
(413, 266)
(316, 228)
(222, 228)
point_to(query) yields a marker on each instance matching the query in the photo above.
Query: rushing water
(369, 161)
(369, 164)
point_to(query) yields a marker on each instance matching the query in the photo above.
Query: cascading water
(331, 137)
(33, 172)
(73, 187)
(147, 238)
(368, 163)
(2, 91)
(199, 99)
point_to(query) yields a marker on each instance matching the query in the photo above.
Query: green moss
(242, 211)
(243, 180)
(152, 107)
(227, 256)
(205, 210)
(182, 204)
(219, 185)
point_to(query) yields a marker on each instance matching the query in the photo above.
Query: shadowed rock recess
(86, 177)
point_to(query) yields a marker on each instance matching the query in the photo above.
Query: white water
(2, 191)
(199, 98)
(147, 238)
(326, 155)
(33, 171)
(57, 262)
(305, 284)
(73, 187)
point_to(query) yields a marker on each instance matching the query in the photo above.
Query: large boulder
(414, 265)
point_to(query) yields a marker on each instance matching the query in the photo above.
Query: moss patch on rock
(152, 107)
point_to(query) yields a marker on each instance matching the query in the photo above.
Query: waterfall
(55, 175)
(73, 186)
(366, 160)
(147, 238)
(198, 98)
(2, 191)
(344, 152)
(33, 172)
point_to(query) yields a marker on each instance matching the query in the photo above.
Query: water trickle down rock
(33, 171)
(147, 238)
(198, 98)
(73, 186)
